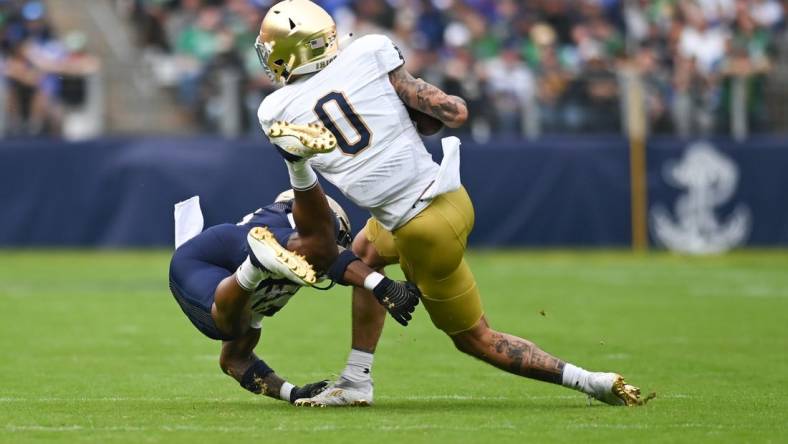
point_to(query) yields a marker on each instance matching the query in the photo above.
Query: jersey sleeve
(275, 218)
(389, 56)
(265, 115)
(385, 52)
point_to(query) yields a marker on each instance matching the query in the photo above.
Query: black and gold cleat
(302, 141)
(611, 388)
(626, 392)
(342, 393)
(270, 255)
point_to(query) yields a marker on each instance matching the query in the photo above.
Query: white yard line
(650, 426)
(448, 397)
(198, 399)
(290, 428)
(117, 399)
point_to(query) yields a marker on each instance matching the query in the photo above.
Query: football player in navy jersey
(222, 285)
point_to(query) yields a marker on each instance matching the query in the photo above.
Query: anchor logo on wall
(710, 179)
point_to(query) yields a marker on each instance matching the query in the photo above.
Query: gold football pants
(430, 249)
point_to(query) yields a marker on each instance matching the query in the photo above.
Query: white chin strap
(313, 66)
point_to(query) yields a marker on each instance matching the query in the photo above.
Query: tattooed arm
(429, 99)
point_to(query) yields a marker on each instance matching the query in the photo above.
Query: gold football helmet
(296, 37)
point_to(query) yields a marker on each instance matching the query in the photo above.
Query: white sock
(372, 281)
(284, 392)
(575, 377)
(359, 366)
(248, 276)
(302, 176)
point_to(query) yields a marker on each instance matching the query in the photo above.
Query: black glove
(399, 298)
(307, 391)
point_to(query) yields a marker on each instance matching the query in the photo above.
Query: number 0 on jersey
(348, 145)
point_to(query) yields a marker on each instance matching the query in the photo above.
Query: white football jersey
(380, 162)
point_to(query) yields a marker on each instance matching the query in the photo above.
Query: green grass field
(95, 349)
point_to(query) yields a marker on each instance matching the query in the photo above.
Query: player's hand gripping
(399, 298)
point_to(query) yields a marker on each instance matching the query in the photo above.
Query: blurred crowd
(529, 65)
(42, 75)
(524, 66)
(698, 58)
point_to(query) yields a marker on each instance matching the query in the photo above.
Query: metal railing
(691, 115)
(231, 120)
(87, 120)
(3, 108)
(739, 106)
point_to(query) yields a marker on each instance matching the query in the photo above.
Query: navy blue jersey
(277, 217)
(200, 264)
(272, 294)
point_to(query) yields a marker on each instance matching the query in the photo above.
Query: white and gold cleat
(302, 141)
(275, 258)
(342, 393)
(611, 388)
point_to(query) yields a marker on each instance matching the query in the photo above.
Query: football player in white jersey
(421, 214)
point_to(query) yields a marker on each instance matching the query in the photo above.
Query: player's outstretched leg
(524, 358)
(431, 254)
(399, 298)
(354, 387)
(316, 225)
(217, 303)
(311, 212)
(268, 254)
(238, 360)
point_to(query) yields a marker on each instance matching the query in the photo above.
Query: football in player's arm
(219, 281)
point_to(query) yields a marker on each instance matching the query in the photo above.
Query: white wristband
(372, 280)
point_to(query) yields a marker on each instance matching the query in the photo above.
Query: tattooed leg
(510, 353)
(524, 358)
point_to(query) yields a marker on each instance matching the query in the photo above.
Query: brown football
(426, 125)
